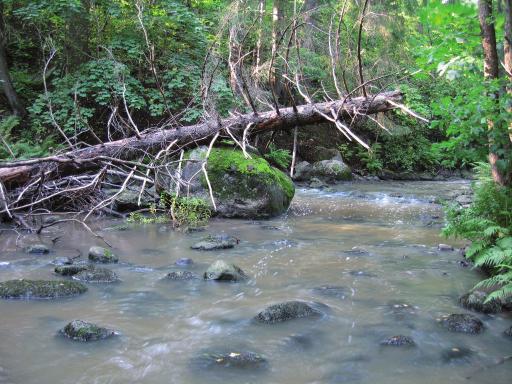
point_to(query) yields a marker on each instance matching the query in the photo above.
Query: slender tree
(491, 72)
(5, 78)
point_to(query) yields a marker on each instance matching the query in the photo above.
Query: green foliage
(279, 157)
(24, 146)
(152, 218)
(488, 224)
(189, 212)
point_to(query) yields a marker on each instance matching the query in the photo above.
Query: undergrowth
(488, 224)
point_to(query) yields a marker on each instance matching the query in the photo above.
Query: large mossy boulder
(245, 188)
(40, 289)
(80, 330)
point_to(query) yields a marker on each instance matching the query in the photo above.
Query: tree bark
(507, 45)
(491, 72)
(78, 161)
(5, 78)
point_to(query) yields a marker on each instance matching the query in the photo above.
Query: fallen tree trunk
(15, 174)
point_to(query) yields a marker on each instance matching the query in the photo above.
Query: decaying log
(17, 173)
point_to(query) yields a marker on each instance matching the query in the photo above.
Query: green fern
(488, 224)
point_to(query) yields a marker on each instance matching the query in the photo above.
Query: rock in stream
(80, 330)
(40, 289)
(288, 310)
(102, 255)
(214, 242)
(222, 271)
(462, 323)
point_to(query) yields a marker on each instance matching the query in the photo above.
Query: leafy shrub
(187, 211)
(488, 224)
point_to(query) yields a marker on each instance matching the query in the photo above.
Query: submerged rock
(70, 270)
(181, 275)
(64, 260)
(289, 310)
(80, 330)
(245, 188)
(184, 261)
(462, 323)
(331, 291)
(362, 274)
(96, 276)
(211, 242)
(37, 249)
(401, 310)
(40, 289)
(102, 255)
(475, 300)
(456, 355)
(398, 341)
(445, 247)
(233, 360)
(508, 332)
(222, 271)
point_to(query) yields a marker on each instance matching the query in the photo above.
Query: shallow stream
(376, 243)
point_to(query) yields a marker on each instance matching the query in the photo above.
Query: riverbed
(368, 251)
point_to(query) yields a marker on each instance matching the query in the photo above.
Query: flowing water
(375, 242)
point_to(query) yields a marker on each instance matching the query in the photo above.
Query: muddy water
(376, 242)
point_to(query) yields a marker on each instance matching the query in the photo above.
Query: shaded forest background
(85, 68)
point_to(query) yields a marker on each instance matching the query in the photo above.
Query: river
(373, 244)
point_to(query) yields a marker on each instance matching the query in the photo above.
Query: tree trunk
(78, 161)
(491, 72)
(9, 91)
(508, 54)
(261, 15)
(311, 23)
(277, 21)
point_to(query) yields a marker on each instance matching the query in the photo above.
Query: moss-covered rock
(97, 276)
(213, 242)
(71, 270)
(476, 301)
(80, 330)
(247, 188)
(102, 255)
(40, 289)
(333, 170)
(286, 311)
(329, 171)
(37, 249)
